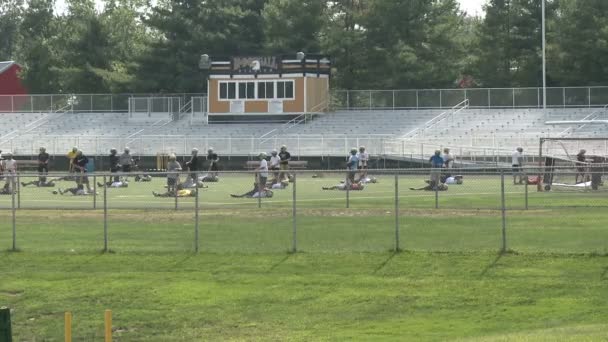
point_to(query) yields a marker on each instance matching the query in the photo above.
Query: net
(573, 164)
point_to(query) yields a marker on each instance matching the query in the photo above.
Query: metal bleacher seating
(382, 131)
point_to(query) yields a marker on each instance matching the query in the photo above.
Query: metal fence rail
(557, 97)
(84, 103)
(493, 209)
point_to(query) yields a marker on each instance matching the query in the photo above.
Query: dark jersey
(580, 158)
(114, 161)
(284, 156)
(81, 161)
(212, 157)
(43, 157)
(193, 163)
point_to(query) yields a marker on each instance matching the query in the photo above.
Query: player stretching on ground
(39, 183)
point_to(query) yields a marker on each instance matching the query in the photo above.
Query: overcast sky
(473, 7)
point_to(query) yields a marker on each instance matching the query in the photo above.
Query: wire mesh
(238, 214)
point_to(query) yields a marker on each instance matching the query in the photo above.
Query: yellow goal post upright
(559, 169)
(161, 161)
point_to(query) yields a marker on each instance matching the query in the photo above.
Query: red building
(10, 84)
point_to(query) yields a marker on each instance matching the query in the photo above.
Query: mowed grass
(345, 282)
(411, 296)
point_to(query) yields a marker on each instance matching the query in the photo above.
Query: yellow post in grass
(68, 326)
(108, 330)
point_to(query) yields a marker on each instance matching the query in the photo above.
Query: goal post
(572, 164)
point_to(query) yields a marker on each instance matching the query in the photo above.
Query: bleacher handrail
(437, 119)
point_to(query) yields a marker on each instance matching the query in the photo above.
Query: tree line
(143, 46)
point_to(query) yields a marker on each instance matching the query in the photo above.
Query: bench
(293, 165)
(27, 164)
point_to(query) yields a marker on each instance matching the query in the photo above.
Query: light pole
(544, 56)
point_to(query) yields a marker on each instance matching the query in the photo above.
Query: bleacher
(383, 132)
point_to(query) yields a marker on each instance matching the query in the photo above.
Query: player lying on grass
(261, 178)
(180, 193)
(77, 191)
(143, 178)
(6, 190)
(190, 184)
(115, 184)
(255, 193)
(344, 186)
(39, 183)
(276, 185)
(430, 187)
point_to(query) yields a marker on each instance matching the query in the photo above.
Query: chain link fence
(310, 211)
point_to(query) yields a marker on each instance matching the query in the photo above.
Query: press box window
(247, 90)
(227, 90)
(265, 90)
(285, 90)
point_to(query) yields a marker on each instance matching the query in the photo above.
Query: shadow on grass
(385, 262)
(280, 262)
(492, 264)
(603, 276)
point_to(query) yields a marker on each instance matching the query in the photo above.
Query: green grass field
(345, 282)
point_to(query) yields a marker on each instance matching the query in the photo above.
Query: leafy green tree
(188, 28)
(414, 43)
(343, 38)
(578, 43)
(509, 44)
(36, 52)
(11, 12)
(292, 26)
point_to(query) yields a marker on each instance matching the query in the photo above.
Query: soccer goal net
(573, 164)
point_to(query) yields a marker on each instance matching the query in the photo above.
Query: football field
(345, 282)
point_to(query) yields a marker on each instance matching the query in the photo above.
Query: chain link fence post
(260, 188)
(347, 193)
(95, 191)
(196, 218)
(105, 215)
(503, 211)
(175, 191)
(17, 187)
(14, 209)
(436, 194)
(294, 238)
(397, 247)
(526, 192)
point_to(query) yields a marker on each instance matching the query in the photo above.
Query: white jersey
(448, 160)
(363, 158)
(450, 180)
(274, 162)
(10, 166)
(517, 158)
(264, 168)
(119, 184)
